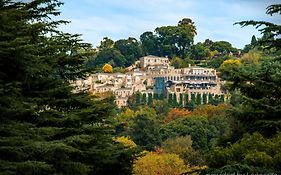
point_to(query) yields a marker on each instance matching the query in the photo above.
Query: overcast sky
(119, 19)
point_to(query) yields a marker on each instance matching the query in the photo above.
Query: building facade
(155, 75)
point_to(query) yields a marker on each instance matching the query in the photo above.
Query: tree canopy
(45, 127)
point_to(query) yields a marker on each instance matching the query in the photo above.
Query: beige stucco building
(141, 79)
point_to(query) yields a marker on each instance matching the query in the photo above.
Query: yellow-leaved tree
(228, 67)
(107, 68)
(159, 163)
(126, 141)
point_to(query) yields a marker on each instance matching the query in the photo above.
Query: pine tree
(198, 99)
(186, 99)
(181, 100)
(170, 99)
(175, 103)
(259, 84)
(204, 98)
(210, 98)
(149, 101)
(45, 127)
(138, 98)
(144, 100)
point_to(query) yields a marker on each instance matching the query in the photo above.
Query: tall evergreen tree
(149, 100)
(259, 84)
(45, 127)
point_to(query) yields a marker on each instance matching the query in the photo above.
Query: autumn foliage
(176, 113)
(159, 164)
(211, 110)
(126, 141)
(107, 68)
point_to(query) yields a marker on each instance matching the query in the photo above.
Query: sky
(120, 19)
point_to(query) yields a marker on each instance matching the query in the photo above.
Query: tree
(210, 98)
(177, 62)
(144, 99)
(204, 98)
(150, 44)
(154, 164)
(182, 147)
(144, 132)
(170, 99)
(107, 68)
(176, 40)
(211, 110)
(259, 85)
(198, 99)
(198, 127)
(252, 57)
(175, 113)
(253, 151)
(186, 100)
(149, 101)
(46, 128)
(175, 101)
(126, 141)
(161, 107)
(228, 67)
(270, 31)
(191, 103)
(199, 51)
(111, 56)
(181, 100)
(187, 32)
(106, 43)
(216, 62)
(223, 47)
(130, 49)
(253, 40)
(138, 98)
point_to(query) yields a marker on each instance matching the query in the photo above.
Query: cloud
(118, 19)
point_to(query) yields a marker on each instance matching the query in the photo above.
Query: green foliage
(271, 32)
(170, 99)
(109, 55)
(259, 89)
(181, 100)
(223, 47)
(204, 98)
(150, 44)
(253, 151)
(45, 127)
(257, 80)
(228, 67)
(175, 103)
(201, 132)
(198, 99)
(144, 99)
(182, 147)
(106, 43)
(216, 62)
(161, 107)
(169, 40)
(145, 132)
(130, 49)
(177, 62)
(199, 51)
(149, 101)
(186, 99)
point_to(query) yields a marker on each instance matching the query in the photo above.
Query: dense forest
(46, 128)
(175, 42)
